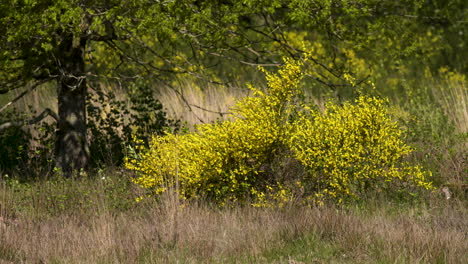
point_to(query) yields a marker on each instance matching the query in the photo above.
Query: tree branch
(23, 94)
(11, 85)
(47, 112)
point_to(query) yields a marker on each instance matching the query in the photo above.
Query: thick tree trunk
(71, 143)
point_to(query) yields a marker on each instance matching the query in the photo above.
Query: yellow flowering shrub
(351, 148)
(224, 160)
(345, 150)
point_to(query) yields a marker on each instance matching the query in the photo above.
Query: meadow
(97, 221)
(96, 218)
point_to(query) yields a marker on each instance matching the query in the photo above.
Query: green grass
(308, 248)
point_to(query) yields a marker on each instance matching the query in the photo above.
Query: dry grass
(166, 232)
(453, 96)
(194, 104)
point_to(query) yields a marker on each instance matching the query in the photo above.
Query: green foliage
(27, 151)
(347, 150)
(14, 143)
(180, 36)
(147, 116)
(438, 107)
(57, 195)
(105, 119)
(203, 39)
(112, 122)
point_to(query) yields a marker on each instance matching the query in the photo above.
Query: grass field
(96, 220)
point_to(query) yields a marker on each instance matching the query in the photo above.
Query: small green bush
(111, 122)
(14, 143)
(345, 150)
(28, 150)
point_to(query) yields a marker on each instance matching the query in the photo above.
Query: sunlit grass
(81, 221)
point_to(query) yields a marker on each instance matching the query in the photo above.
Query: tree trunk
(72, 153)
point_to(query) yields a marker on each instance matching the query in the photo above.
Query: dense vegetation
(351, 131)
(346, 151)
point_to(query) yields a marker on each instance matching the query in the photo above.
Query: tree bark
(72, 152)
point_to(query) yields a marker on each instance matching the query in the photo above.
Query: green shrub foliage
(14, 143)
(27, 151)
(112, 122)
(345, 150)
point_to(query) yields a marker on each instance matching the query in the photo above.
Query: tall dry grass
(187, 101)
(451, 92)
(453, 97)
(197, 104)
(167, 231)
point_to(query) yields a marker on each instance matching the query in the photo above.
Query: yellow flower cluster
(223, 160)
(353, 147)
(346, 149)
